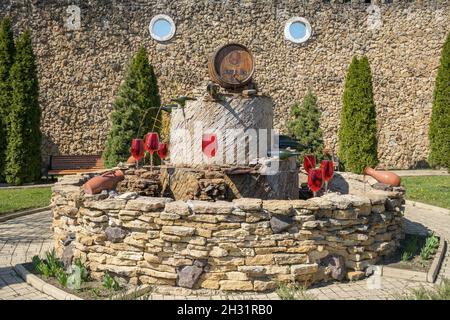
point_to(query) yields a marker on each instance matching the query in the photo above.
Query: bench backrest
(76, 162)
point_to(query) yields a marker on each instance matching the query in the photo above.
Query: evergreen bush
(23, 155)
(137, 104)
(439, 133)
(305, 126)
(358, 129)
(7, 51)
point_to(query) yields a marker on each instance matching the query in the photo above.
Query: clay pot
(106, 181)
(385, 177)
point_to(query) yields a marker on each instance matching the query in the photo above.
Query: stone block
(261, 259)
(218, 207)
(218, 252)
(180, 208)
(278, 207)
(235, 275)
(178, 230)
(107, 204)
(234, 285)
(147, 204)
(248, 204)
(356, 275)
(302, 269)
(262, 286)
(286, 258)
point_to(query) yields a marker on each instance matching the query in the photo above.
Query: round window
(162, 27)
(297, 30)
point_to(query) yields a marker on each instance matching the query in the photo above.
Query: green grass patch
(19, 199)
(434, 190)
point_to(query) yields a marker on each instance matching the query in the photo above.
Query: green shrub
(439, 133)
(50, 267)
(110, 283)
(410, 246)
(358, 129)
(41, 267)
(137, 103)
(293, 291)
(305, 126)
(23, 155)
(7, 52)
(430, 247)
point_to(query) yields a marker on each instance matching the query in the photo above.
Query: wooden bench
(63, 165)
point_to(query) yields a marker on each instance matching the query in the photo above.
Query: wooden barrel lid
(231, 65)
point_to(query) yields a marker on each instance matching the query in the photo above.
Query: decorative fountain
(227, 223)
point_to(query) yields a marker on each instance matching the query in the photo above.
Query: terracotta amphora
(106, 181)
(131, 160)
(385, 177)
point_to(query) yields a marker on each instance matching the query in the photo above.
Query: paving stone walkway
(24, 237)
(20, 240)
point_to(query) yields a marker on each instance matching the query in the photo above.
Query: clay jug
(106, 181)
(385, 177)
(131, 160)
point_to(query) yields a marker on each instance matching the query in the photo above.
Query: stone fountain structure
(231, 227)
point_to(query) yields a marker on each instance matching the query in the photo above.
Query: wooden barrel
(231, 66)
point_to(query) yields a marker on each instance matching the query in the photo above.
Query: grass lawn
(19, 199)
(434, 190)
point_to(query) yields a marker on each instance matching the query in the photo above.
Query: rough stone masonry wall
(244, 245)
(80, 71)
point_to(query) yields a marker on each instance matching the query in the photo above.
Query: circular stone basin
(247, 244)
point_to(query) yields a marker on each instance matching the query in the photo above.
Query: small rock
(67, 255)
(128, 195)
(382, 186)
(115, 234)
(280, 223)
(70, 237)
(187, 276)
(356, 275)
(336, 264)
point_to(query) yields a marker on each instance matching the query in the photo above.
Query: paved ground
(24, 237)
(20, 240)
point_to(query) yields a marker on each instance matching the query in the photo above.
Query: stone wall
(80, 71)
(244, 245)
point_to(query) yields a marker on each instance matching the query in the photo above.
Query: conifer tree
(23, 155)
(358, 129)
(137, 104)
(7, 51)
(439, 133)
(305, 126)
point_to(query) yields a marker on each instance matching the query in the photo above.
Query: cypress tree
(137, 103)
(305, 126)
(358, 130)
(23, 155)
(7, 51)
(439, 133)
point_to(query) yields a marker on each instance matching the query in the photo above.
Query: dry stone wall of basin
(242, 245)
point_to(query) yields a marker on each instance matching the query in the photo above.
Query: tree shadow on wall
(49, 148)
